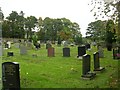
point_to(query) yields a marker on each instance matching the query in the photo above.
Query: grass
(61, 72)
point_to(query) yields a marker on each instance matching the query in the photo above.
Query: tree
(109, 8)
(96, 30)
(30, 23)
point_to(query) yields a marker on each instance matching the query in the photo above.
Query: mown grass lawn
(61, 72)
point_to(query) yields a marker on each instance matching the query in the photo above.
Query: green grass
(55, 72)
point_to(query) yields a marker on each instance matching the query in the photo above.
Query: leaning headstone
(66, 52)
(81, 51)
(10, 76)
(51, 52)
(97, 62)
(86, 73)
(23, 50)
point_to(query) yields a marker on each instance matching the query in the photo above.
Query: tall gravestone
(51, 52)
(10, 76)
(86, 73)
(66, 52)
(81, 51)
(97, 62)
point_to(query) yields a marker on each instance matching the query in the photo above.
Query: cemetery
(44, 52)
(54, 68)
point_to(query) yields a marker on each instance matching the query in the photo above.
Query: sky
(75, 10)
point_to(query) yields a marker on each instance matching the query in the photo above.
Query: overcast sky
(76, 10)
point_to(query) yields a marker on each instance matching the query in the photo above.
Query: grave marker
(81, 51)
(10, 76)
(97, 62)
(51, 52)
(23, 50)
(86, 73)
(66, 52)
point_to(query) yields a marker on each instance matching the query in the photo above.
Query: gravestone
(81, 51)
(23, 49)
(87, 46)
(9, 44)
(10, 53)
(86, 73)
(65, 44)
(48, 45)
(66, 52)
(17, 45)
(51, 52)
(10, 76)
(101, 52)
(116, 53)
(97, 62)
(29, 45)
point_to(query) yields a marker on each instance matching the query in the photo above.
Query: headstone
(48, 45)
(65, 44)
(10, 53)
(87, 46)
(86, 73)
(116, 53)
(10, 76)
(29, 45)
(101, 52)
(66, 52)
(17, 45)
(51, 52)
(81, 51)
(23, 50)
(9, 44)
(97, 62)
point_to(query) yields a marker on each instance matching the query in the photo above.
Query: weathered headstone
(29, 45)
(66, 52)
(101, 52)
(10, 76)
(51, 52)
(17, 45)
(86, 73)
(81, 51)
(23, 50)
(97, 62)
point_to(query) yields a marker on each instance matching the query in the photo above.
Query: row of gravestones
(86, 72)
(11, 74)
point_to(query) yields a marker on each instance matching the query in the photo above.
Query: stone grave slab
(51, 52)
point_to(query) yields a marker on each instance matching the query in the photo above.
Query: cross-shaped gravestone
(86, 73)
(10, 76)
(97, 62)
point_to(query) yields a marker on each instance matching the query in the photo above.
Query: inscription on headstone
(10, 76)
